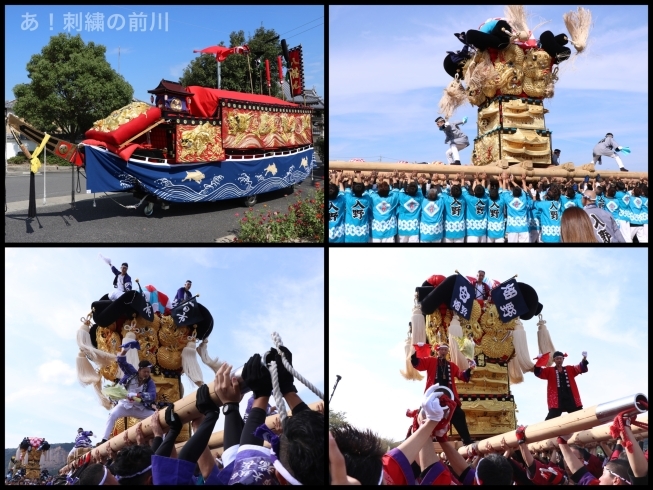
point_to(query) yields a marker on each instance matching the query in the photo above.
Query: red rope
(617, 428)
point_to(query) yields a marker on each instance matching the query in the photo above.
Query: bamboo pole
(577, 173)
(595, 435)
(566, 424)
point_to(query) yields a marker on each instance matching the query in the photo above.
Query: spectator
(576, 227)
(555, 157)
(604, 226)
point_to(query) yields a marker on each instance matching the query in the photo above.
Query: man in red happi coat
(561, 393)
(439, 370)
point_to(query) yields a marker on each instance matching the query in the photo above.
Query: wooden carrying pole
(595, 435)
(566, 424)
(217, 438)
(577, 173)
(186, 410)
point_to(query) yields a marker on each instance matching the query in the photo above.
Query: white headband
(135, 474)
(104, 477)
(284, 472)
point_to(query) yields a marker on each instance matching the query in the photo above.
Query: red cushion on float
(127, 130)
(435, 280)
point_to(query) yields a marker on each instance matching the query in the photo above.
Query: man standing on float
(440, 371)
(561, 392)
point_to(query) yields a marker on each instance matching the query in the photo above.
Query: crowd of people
(359, 457)
(294, 453)
(429, 208)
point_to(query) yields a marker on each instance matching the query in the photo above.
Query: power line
(290, 37)
(321, 17)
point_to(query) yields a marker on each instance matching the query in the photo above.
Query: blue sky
(249, 292)
(147, 57)
(386, 80)
(595, 300)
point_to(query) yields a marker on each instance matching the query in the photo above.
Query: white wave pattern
(217, 190)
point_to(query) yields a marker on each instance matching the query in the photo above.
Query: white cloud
(57, 372)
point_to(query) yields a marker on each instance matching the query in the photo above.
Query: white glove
(131, 395)
(420, 344)
(431, 404)
(471, 362)
(584, 353)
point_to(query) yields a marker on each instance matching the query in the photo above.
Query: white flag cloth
(108, 261)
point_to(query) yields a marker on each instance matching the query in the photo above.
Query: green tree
(235, 72)
(336, 419)
(72, 86)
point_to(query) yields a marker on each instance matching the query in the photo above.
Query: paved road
(58, 184)
(109, 222)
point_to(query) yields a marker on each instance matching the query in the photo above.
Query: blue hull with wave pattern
(197, 182)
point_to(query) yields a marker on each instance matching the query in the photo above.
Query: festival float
(507, 74)
(195, 144)
(490, 334)
(31, 452)
(169, 338)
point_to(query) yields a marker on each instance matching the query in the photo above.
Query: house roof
(170, 87)
(312, 99)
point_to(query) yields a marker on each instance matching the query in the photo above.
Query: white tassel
(97, 386)
(514, 371)
(418, 324)
(86, 345)
(578, 24)
(544, 342)
(457, 356)
(202, 350)
(454, 327)
(521, 347)
(410, 373)
(85, 372)
(189, 363)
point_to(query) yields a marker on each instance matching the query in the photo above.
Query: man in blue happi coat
(183, 294)
(121, 283)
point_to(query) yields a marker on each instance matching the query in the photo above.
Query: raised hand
(257, 377)
(227, 388)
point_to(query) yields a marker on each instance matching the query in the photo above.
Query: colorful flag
(462, 297)
(221, 52)
(509, 300)
(159, 301)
